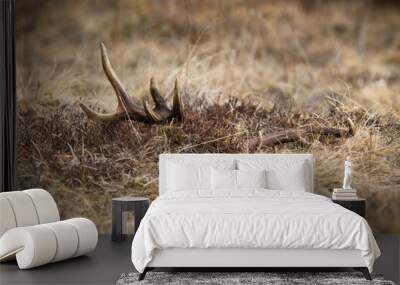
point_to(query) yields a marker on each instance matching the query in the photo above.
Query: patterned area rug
(273, 278)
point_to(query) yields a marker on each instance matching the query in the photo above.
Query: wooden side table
(137, 205)
(358, 205)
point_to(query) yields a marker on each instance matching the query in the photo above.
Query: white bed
(249, 227)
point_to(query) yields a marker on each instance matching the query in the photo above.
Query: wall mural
(104, 87)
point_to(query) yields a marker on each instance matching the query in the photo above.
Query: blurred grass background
(244, 67)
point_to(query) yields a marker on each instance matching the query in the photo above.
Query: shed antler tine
(159, 101)
(127, 109)
(177, 106)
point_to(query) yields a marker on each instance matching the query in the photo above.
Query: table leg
(140, 211)
(116, 231)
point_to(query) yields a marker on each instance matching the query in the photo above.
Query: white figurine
(347, 174)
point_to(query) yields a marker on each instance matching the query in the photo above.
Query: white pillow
(293, 180)
(186, 178)
(281, 174)
(223, 179)
(251, 178)
(226, 179)
(205, 162)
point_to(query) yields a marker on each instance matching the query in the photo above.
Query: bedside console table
(137, 205)
(358, 206)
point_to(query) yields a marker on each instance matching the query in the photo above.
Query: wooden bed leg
(364, 271)
(143, 274)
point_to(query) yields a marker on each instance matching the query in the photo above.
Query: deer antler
(297, 135)
(127, 109)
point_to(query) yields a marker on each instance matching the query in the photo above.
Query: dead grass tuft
(84, 164)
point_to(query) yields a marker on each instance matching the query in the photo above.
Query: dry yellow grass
(279, 58)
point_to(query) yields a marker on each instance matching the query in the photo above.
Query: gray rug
(228, 278)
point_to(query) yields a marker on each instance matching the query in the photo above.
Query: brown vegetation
(255, 76)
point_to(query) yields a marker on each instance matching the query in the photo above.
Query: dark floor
(110, 260)
(103, 266)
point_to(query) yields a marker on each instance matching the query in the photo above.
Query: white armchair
(31, 230)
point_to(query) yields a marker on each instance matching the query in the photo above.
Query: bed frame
(246, 259)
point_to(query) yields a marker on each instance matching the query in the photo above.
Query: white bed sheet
(250, 218)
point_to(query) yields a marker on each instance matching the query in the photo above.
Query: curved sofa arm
(26, 208)
(87, 235)
(40, 244)
(33, 246)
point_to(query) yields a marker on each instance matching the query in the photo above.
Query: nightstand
(137, 205)
(358, 205)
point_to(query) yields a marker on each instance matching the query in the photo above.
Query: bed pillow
(205, 162)
(226, 179)
(281, 174)
(293, 180)
(185, 178)
(251, 178)
(223, 179)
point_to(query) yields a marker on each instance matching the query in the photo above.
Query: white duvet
(250, 219)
